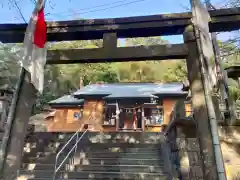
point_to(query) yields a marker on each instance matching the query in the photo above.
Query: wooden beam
(141, 26)
(98, 55)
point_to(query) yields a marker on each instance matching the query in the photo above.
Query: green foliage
(145, 41)
(230, 56)
(176, 73)
(9, 67)
(65, 79)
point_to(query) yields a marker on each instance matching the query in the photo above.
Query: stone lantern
(5, 101)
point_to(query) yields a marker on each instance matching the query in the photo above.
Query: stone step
(38, 166)
(120, 168)
(105, 156)
(99, 147)
(123, 139)
(153, 154)
(153, 178)
(127, 160)
(104, 150)
(146, 155)
(43, 160)
(124, 135)
(102, 168)
(115, 175)
(93, 149)
(134, 149)
(118, 145)
(117, 161)
(92, 175)
(122, 147)
(48, 137)
(44, 137)
(45, 147)
(102, 161)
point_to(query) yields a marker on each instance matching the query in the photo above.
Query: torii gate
(111, 29)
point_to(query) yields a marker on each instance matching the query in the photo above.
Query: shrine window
(110, 115)
(78, 115)
(154, 116)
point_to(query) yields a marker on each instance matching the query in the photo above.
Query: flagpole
(24, 98)
(10, 118)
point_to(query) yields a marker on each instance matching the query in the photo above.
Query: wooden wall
(64, 122)
(64, 118)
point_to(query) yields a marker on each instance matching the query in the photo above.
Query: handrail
(56, 167)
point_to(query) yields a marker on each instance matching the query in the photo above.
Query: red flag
(40, 34)
(35, 51)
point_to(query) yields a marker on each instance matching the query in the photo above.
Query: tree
(146, 41)
(176, 73)
(9, 66)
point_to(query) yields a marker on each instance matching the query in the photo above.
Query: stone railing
(181, 137)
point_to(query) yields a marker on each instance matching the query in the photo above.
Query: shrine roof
(119, 91)
(66, 100)
(131, 90)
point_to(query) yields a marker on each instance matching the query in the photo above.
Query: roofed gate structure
(197, 50)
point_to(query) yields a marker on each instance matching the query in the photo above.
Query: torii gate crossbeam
(140, 26)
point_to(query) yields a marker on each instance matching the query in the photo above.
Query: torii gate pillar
(207, 160)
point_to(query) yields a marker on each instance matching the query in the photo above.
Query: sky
(92, 9)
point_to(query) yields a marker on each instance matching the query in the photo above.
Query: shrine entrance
(130, 119)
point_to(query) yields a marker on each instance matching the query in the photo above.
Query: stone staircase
(118, 156)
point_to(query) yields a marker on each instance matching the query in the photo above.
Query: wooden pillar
(117, 116)
(199, 106)
(26, 98)
(143, 120)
